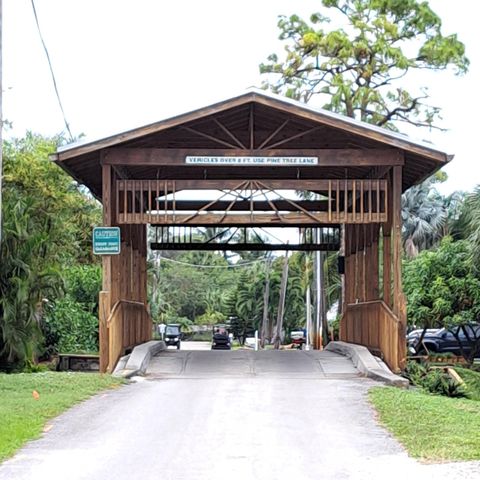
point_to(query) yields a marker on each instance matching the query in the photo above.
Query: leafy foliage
(71, 328)
(71, 323)
(471, 223)
(46, 226)
(441, 287)
(434, 381)
(358, 70)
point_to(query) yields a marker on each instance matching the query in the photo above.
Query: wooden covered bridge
(253, 149)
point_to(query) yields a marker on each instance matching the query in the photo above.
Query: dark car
(444, 341)
(221, 338)
(173, 335)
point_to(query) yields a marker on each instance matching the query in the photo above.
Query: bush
(434, 381)
(83, 284)
(71, 323)
(211, 318)
(69, 327)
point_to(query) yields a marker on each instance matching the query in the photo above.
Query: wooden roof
(254, 120)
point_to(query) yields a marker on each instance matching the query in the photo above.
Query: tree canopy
(359, 69)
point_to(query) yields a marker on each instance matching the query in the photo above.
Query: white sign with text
(209, 160)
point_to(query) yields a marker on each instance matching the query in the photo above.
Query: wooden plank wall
(124, 277)
(374, 316)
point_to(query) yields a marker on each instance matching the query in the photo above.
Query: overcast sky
(122, 64)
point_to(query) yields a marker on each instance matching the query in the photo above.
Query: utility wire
(51, 70)
(236, 265)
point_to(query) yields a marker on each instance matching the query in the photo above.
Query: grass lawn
(432, 428)
(23, 417)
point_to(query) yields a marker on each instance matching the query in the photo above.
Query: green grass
(432, 428)
(472, 381)
(23, 418)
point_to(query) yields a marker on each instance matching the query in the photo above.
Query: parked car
(443, 340)
(173, 335)
(221, 339)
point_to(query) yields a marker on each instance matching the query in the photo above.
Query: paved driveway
(287, 364)
(227, 415)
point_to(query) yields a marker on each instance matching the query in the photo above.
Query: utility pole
(266, 295)
(281, 302)
(308, 304)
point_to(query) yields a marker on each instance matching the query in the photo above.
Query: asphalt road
(229, 415)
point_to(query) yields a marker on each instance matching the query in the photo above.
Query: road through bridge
(201, 415)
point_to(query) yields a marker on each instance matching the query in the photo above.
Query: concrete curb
(366, 363)
(137, 362)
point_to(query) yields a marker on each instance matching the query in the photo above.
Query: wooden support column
(349, 279)
(105, 299)
(387, 248)
(399, 307)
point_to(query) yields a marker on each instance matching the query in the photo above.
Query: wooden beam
(280, 184)
(348, 157)
(245, 247)
(267, 219)
(244, 205)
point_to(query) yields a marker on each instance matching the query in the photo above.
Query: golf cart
(173, 335)
(221, 338)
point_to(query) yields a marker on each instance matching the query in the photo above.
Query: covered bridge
(248, 147)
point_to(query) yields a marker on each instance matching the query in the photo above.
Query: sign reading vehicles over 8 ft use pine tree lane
(106, 240)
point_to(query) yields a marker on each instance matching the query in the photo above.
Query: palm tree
(471, 220)
(424, 216)
(25, 280)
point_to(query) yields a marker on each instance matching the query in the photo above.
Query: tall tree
(359, 69)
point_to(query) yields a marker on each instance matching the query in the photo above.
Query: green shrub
(71, 323)
(83, 284)
(211, 318)
(69, 327)
(434, 381)
(472, 381)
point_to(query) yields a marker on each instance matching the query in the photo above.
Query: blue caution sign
(106, 240)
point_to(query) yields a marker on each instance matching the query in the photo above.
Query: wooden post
(104, 308)
(387, 248)
(105, 297)
(387, 266)
(399, 307)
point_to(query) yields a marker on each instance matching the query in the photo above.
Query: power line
(236, 265)
(51, 70)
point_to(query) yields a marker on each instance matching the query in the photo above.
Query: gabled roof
(82, 159)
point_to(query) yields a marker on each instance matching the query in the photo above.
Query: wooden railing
(375, 326)
(128, 325)
(344, 201)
